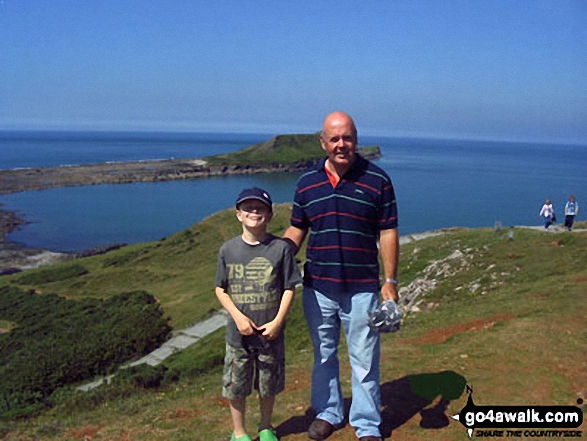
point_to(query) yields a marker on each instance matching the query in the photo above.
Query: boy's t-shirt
(571, 207)
(255, 277)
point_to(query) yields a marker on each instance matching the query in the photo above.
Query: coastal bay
(438, 183)
(281, 154)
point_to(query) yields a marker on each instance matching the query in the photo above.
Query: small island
(282, 153)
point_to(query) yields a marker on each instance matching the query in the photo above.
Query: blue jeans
(324, 315)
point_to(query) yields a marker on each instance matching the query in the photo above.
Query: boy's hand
(246, 326)
(271, 330)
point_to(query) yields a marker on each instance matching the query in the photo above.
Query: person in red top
(347, 204)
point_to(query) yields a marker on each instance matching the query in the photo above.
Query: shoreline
(152, 170)
(15, 257)
(19, 180)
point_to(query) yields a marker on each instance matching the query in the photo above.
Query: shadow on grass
(401, 400)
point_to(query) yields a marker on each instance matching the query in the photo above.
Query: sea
(439, 183)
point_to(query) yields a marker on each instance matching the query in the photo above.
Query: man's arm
(389, 249)
(295, 237)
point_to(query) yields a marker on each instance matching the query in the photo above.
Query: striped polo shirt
(344, 223)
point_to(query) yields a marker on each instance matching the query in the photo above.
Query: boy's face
(254, 214)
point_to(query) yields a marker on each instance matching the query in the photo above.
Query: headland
(281, 154)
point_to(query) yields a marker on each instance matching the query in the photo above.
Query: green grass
(519, 339)
(6, 325)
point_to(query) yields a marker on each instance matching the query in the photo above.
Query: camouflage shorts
(265, 369)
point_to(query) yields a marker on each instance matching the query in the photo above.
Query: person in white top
(548, 212)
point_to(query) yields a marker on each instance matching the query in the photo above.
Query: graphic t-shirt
(571, 207)
(255, 277)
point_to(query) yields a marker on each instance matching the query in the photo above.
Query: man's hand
(389, 292)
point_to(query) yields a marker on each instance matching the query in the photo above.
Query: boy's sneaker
(240, 438)
(268, 435)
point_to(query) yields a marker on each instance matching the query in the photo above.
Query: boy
(571, 210)
(255, 283)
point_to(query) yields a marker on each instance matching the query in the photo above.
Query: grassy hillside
(507, 315)
(281, 149)
(178, 270)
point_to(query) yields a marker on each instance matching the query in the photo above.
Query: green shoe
(268, 435)
(240, 438)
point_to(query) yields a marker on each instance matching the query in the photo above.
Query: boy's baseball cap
(386, 318)
(254, 193)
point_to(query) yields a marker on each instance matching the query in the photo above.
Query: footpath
(182, 339)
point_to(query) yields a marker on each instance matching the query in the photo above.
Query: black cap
(386, 318)
(254, 193)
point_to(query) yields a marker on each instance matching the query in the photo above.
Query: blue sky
(491, 69)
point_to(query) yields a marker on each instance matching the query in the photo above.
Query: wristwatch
(393, 281)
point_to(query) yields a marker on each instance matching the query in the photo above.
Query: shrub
(57, 342)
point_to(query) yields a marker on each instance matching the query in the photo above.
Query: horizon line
(365, 133)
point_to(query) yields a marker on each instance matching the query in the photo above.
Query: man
(347, 204)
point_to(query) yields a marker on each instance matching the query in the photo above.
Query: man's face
(339, 140)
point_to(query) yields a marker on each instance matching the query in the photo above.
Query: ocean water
(438, 183)
(21, 149)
